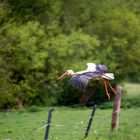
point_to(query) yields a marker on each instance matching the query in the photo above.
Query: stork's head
(66, 74)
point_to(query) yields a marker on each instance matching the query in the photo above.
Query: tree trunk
(85, 98)
(88, 93)
(20, 100)
(116, 110)
(20, 104)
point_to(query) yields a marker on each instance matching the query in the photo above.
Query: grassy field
(70, 123)
(133, 89)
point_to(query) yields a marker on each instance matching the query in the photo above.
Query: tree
(22, 56)
(39, 39)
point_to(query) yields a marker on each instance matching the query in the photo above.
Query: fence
(49, 123)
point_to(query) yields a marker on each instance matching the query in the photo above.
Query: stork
(94, 71)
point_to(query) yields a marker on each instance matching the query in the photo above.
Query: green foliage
(39, 39)
(22, 56)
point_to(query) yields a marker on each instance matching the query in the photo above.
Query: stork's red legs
(112, 87)
(108, 95)
(105, 85)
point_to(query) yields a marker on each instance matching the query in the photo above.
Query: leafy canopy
(39, 39)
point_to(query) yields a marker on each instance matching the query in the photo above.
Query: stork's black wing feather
(81, 80)
(101, 68)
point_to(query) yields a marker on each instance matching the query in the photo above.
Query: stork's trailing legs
(104, 82)
(112, 88)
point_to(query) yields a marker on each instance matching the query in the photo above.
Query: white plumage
(109, 76)
(91, 67)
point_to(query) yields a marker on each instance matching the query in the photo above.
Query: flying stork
(94, 71)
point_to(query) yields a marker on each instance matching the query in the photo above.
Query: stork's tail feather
(109, 76)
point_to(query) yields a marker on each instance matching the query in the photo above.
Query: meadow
(70, 123)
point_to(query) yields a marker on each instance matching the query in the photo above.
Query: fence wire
(73, 127)
(67, 124)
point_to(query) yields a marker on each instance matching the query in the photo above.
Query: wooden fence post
(116, 109)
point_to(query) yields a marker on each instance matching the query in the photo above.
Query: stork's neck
(72, 74)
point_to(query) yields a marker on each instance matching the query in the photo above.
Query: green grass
(133, 89)
(70, 123)
(132, 96)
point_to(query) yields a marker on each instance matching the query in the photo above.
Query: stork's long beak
(62, 76)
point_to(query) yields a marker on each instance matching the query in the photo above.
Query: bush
(34, 108)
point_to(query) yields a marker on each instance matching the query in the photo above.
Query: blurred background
(40, 39)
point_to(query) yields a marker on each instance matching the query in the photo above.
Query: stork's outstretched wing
(81, 80)
(97, 68)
